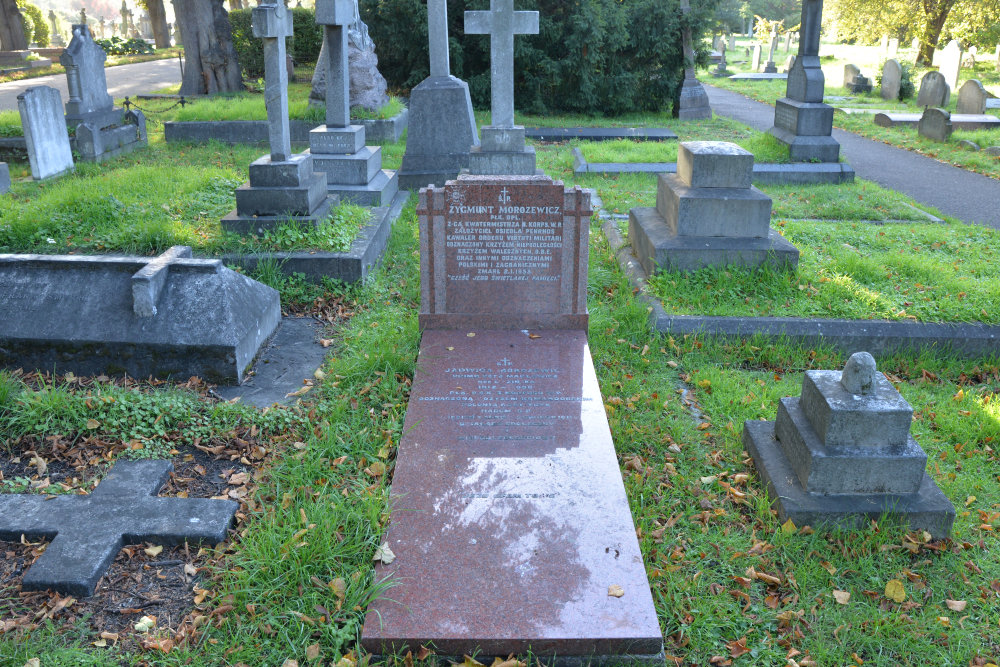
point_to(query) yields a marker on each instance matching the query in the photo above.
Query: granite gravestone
(88, 531)
(935, 124)
(842, 455)
(708, 214)
(934, 90)
(949, 63)
(892, 77)
(283, 187)
(507, 472)
(693, 103)
(972, 98)
(165, 316)
(801, 120)
(45, 132)
(502, 149)
(353, 170)
(442, 127)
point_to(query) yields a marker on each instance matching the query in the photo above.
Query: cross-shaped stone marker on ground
(273, 23)
(88, 531)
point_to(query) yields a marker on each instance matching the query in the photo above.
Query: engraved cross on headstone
(335, 16)
(501, 23)
(437, 31)
(273, 23)
(88, 531)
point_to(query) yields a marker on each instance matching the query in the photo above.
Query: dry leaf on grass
(894, 590)
(384, 554)
(956, 605)
(842, 597)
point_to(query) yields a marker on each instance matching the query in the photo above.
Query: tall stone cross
(437, 31)
(88, 531)
(273, 23)
(809, 32)
(501, 23)
(335, 16)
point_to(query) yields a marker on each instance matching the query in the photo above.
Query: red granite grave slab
(504, 252)
(509, 516)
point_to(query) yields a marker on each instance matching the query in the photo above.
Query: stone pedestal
(801, 120)
(842, 454)
(860, 84)
(502, 152)
(708, 214)
(353, 170)
(770, 67)
(694, 103)
(442, 128)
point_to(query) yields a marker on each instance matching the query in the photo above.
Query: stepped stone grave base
(280, 191)
(502, 152)
(169, 316)
(353, 170)
(88, 531)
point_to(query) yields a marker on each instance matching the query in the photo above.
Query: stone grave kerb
(87, 531)
(272, 23)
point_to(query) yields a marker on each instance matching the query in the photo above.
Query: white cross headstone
(501, 23)
(273, 23)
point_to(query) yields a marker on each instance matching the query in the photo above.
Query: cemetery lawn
(112, 61)
(727, 579)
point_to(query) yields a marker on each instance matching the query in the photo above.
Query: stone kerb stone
(972, 98)
(721, 221)
(935, 124)
(892, 76)
(45, 132)
(4, 178)
(934, 90)
(842, 454)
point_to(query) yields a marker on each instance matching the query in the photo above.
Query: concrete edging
(848, 336)
(388, 130)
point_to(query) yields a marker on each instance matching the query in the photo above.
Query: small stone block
(271, 21)
(730, 212)
(335, 12)
(336, 140)
(837, 470)
(804, 119)
(301, 201)
(503, 139)
(377, 192)
(842, 419)
(502, 163)
(294, 172)
(927, 509)
(714, 164)
(860, 374)
(353, 169)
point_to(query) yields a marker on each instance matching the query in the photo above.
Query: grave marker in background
(950, 63)
(693, 100)
(934, 90)
(971, 98)
(892, 77)
(45, 132)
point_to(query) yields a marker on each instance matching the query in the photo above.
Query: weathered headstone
(170, 315)
(950, 63)
(693, 102)
(892, 77)
(353, 170)
(851, 72)
(283, 187)
(732, 42)
(45, 132)
(883, 44)
(755, 58)
(788, 42)
(801, 120)
(88, 531)
(530, 492)
(789, 63)
(972, 98)
(770, 67)
(442, 127)
(992, 150)
(935, 124)
(502, 149)
(708, 214)
(892, 49)
(4, 178)
(934, 90)
(842, 455)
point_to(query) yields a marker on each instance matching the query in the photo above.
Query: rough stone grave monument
(842, 455)
(45, 132)
(934, 91)
(353, 170)
(972, 98)
(892, 77)
(693, 104)
(102, 130)
(88, 531)
(708, 214)
(283, 187)
(949, 62)
(166, 316)
(801, 120)
(935, 124)
(509, 521)
(502, 149)
(442, 127)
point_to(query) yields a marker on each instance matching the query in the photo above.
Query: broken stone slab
(167, 316)
(87, 531)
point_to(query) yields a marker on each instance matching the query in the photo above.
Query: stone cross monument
(273, 23)
(502, 150)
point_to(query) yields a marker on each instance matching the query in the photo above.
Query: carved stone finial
(859, 374)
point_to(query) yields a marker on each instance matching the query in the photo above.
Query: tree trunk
(12, 37)
(210, 64)
(158, 20)
(935, 15)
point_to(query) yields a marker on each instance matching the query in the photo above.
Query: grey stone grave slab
(708, 214)
(842, 454)
(88, 531)
(501, 150)
(161, 317)
(972, 98)
(45, 132)
(934, 90)
(958, 121)
(443, 127)
(993, 103)
(935, 124)
(693, 103)
(600, 133)
(760, 76)
(4, 178)
(892, 75)
(353, 170)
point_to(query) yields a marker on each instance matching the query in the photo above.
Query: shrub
(307, 37)
(304, 45)
(596, 56)
(36, 28)
(116, 46)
